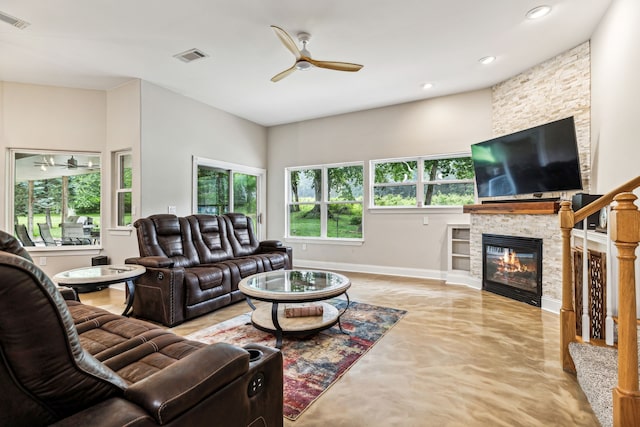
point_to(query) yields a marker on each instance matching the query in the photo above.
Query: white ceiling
(99, 44)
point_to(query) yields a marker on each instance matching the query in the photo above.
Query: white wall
(123, 133)
(176, 128)
(394, 243)
(615, 87)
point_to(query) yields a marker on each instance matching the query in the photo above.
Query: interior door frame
(261, 187)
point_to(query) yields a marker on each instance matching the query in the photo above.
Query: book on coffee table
(303, 310)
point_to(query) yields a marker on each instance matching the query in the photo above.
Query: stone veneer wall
(545, 227)
(555, 89)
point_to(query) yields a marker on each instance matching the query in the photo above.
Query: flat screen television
(542, 159)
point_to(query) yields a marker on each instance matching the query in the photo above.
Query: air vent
(190, 55)
(18, 23)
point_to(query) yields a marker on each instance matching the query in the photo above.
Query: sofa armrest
(151, 261)
(178, 387)
(69, 294)
(277, 246)
(270, 244)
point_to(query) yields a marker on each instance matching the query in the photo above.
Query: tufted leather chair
(48, 377)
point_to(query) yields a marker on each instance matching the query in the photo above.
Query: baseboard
(551, 304)
(548, 304)
(371, 269)
(464, 279)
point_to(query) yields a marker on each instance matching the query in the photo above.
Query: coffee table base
(273, 320)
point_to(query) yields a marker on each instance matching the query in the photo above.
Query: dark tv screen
(541, 159)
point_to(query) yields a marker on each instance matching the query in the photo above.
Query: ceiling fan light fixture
(72, 163)
(303, 65)
(538, 12)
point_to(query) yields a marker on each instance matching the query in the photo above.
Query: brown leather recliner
(194, 264)
(47, 377)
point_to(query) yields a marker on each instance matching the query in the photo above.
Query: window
(123, 189)
(325, 201)
(221, 187)
(422, 181)
(53, 193)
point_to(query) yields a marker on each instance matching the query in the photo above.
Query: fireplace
(512, 267)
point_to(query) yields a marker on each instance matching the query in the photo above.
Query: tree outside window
(213, 190)
(326, 201)
(221, 187)
(423, 181)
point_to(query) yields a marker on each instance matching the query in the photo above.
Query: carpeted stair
(597, 373)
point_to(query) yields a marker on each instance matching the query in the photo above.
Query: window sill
(319, 241)
(415, 210)
(71, 250)
(120, 231)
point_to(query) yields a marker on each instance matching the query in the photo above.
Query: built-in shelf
(459, 248)
(518, 208)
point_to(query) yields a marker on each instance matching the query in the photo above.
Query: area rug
(312, 364)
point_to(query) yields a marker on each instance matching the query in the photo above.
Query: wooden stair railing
(625, 233)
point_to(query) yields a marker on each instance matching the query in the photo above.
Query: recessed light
(427, 86)
(487, 60)
(538, 12)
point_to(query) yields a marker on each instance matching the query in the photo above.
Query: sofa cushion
(209, 235)
(240, 233)
(166, 235)
(205, 282)
(134, 349)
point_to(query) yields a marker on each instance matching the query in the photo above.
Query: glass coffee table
(99, 277)
(290, 289)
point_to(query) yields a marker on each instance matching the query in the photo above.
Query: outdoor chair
(45, 233)
(23, 235)
(73, 234)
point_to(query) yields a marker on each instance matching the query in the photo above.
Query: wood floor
(460, 357)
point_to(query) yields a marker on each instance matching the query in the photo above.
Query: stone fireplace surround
(543, 225)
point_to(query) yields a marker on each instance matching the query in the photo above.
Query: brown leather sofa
(194, 264)
(64, 363)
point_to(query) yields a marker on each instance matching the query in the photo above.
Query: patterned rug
(313, 364)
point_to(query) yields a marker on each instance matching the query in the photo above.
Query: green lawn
(56, 231)
(344, 222)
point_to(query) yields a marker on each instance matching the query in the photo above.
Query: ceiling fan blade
(332, 65)
(287, 41)
(283, 74)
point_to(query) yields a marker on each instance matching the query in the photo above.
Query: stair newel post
(625, 233)
(567, 313)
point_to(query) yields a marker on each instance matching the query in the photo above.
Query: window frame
(323, 203)
(420, 183)
(10, 177)
(118, 177)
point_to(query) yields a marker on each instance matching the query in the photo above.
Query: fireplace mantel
(517, 208)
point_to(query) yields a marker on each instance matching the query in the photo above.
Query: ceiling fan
(71, 163)
(303, 56)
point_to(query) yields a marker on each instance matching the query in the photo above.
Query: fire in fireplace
(512, 267)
